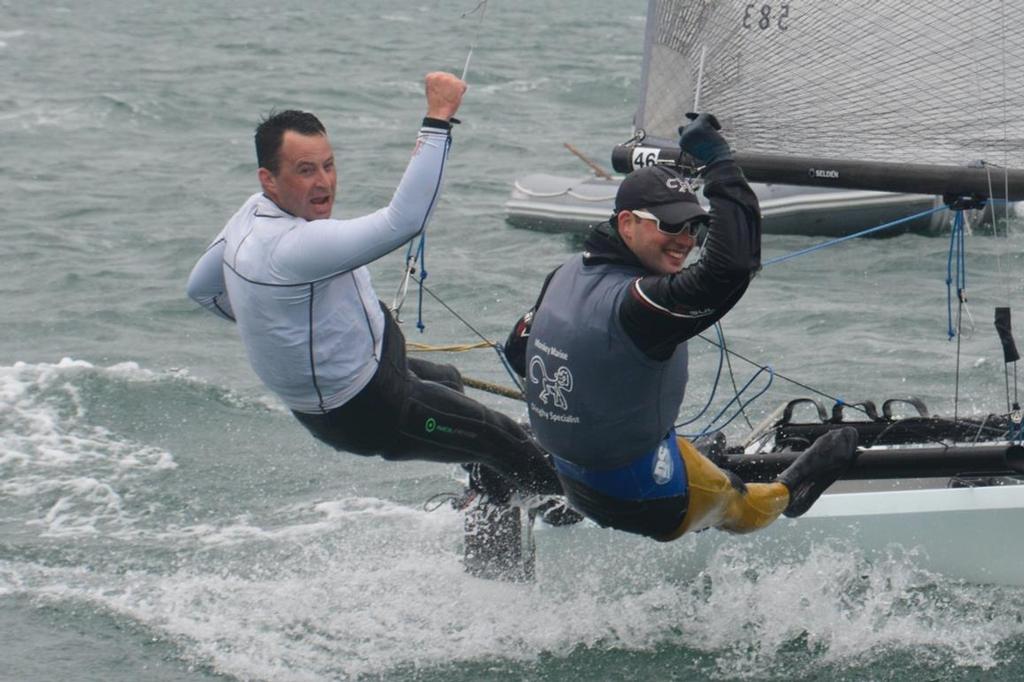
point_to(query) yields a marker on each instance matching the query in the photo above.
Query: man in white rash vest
(295, 282)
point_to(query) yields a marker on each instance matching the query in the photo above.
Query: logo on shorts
(662, 471)
(430, 425)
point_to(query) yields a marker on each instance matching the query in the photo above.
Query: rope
(1003, 276)
(460, 318)
(520, 394)
(714, 386)
(561, 193)
(403, 285)
(835, 399)
(957, 249)
(410, 273)
(872, 230)
(711, 425)
(956, 252)
(478, 384)
(482, 7)
(700, 78)
(1006, 376)
(450, 348)
(493, 388)
(732, 376)
(422, 253)
(435, 502)
(598, 171)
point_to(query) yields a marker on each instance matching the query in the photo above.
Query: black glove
(701, 140)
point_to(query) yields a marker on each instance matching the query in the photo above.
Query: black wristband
(429, 122)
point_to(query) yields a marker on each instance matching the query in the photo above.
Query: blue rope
(508, 368)
(1014, 434)
(949, 283)
(711, 425)
(718, 375)
(871, 230)
(956, 244)
(421, 254)
(739, 410)
(956, 249)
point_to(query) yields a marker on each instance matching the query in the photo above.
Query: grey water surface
(162, 517)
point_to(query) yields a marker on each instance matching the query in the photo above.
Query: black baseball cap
(661, 190)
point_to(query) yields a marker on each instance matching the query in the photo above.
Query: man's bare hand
(444, 94)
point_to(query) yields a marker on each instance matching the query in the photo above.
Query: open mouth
(320, 201)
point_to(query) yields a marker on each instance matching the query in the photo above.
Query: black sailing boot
(498, 538)
(818, 467)
(557, 512)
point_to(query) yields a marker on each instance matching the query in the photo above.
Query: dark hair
(271, 130)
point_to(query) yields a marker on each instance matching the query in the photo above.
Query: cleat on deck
(818, 467)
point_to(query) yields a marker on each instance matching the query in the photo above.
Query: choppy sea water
(163, 518)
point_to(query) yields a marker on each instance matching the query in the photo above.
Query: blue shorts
(648, 496)
(659, 473)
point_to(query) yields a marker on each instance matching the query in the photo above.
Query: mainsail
(884, 81)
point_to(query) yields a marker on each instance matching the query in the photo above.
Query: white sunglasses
(695, 228)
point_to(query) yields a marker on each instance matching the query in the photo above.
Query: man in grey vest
(604, 356)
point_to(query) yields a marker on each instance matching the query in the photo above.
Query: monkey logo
(552, 387)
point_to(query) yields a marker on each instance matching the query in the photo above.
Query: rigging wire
(1006, 376)
(1012, 409)
(410, 271)
(956, 249)
(956, 253)
(714, 386)
(726, 351)
(495, 346)
(721, 345)
(711, 425)
(855, 235)
(723, 356)
(482, 8)
(723, 349)
(700, 79)
(1004, 276)
(1016, 433)
(835, 399)
(732, 378)
(410, 259)
(1006, 147)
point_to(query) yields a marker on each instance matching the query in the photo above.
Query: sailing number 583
(765, 15)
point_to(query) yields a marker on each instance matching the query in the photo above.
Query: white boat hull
(970, 534)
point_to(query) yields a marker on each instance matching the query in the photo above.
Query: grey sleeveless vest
(594, 398)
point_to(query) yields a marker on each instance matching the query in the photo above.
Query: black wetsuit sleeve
(661, 311)
(515, 344)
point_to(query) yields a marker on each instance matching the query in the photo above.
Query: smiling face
(306, 179)
(662, 254)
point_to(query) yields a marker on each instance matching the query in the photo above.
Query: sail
(900, 81)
